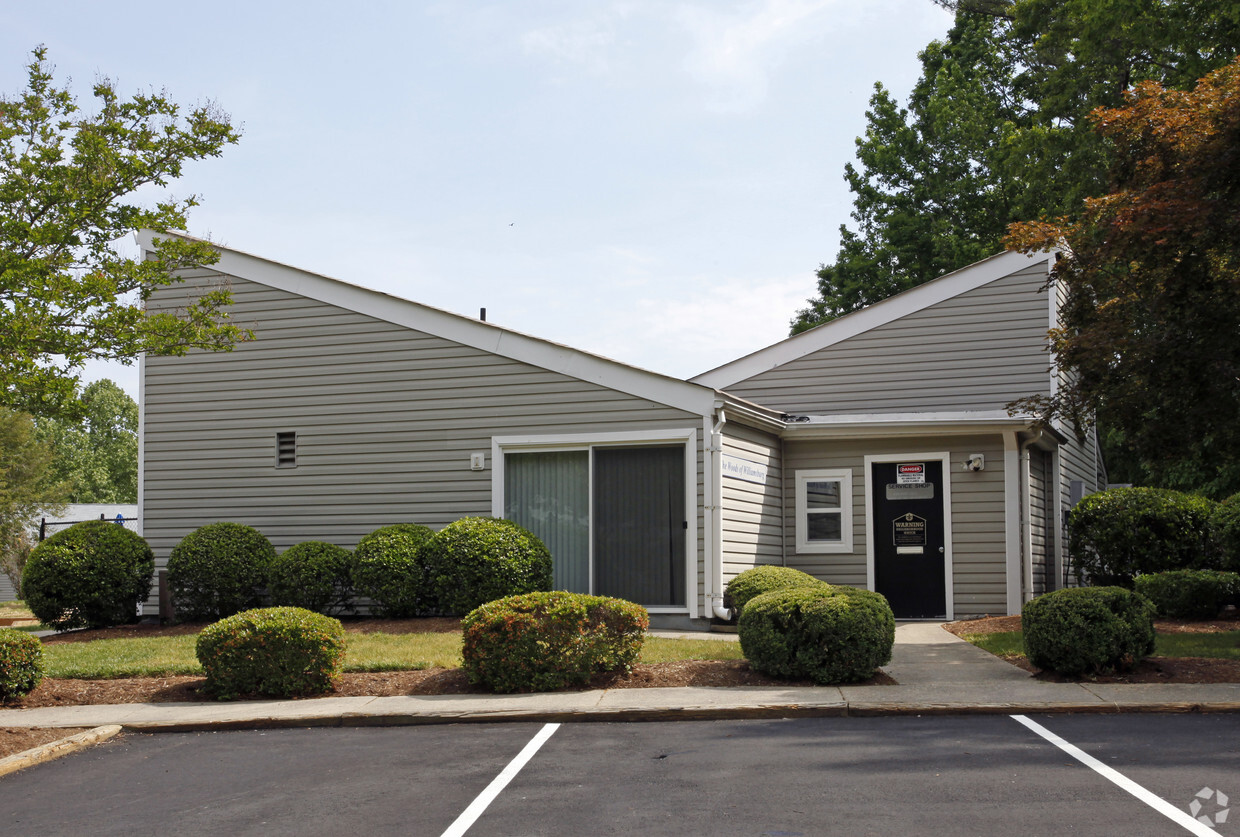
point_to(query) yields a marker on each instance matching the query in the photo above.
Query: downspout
(714, 531)
(1026, 535)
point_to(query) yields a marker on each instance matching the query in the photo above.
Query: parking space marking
(1162, 806)
(470, 815)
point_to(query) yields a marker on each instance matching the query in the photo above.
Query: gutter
(714, 521)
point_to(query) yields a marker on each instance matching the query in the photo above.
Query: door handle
(940, 550)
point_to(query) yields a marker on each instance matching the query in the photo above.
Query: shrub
(1088, 630)
(1224, 533)
(218, 570)
(827, 634)
(541, 641)
(280, 651)
(314, 575)
(761, 580)
(91, 575)
(1120, 533)
(21, 662)
(387, 569)
(1189, 594)
(479, 559)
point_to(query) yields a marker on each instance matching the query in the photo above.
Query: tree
(997, 131)
(97, 457)
(67, 183)
(28, 488)
(1151, 323)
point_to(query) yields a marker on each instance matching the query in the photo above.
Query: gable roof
(662, 389)
(872, 316)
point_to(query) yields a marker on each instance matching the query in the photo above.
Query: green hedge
(1085, 630)
(1190, 594)
(21, 662)
(1225, 534)
(91, 575)
(480, 559)
(388, 570)
(279, 651)
(826, 634)
(218, 570)
(1118, 534)
(759, 580)
(315, 575)
(541, 641)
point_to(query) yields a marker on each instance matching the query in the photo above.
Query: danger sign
(911, 473)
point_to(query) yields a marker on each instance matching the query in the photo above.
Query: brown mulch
(1150, 670)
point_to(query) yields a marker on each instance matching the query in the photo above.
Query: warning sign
(913, 473)
(909, 530)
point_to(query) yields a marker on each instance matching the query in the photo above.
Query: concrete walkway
(936, 673)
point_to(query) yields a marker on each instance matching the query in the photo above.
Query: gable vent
(286, 449)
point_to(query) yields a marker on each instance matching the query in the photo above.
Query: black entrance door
(907, 528)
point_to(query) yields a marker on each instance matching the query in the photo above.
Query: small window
(824, 511)
(286, 449)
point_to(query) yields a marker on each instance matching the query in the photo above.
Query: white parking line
(1159, 804)
(475, 809)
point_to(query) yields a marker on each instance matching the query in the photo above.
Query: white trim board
(691, 397)
(880, 313)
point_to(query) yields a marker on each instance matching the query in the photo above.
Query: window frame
(844, 476)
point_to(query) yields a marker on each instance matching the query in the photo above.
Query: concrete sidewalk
(937, 673)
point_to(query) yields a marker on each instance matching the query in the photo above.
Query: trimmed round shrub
(279, 651)
(1225, 534)
(1088, 630)
(1189, 594)
(91, 575)
(314, 575)
(21, 662)
(1120, 533)
(826, 634)
(387, 569)
(542, 641)
(761, 580)
(480, 559)
(218, 570)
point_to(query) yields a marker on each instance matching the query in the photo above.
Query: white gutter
(714, 518)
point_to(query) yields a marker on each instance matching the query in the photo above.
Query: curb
(56, 749)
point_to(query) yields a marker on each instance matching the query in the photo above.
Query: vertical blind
(549, 494)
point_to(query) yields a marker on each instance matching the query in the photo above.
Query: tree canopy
(28, 488)
(67, 194)
(996, 131)
(1151, 270)
(96, 457)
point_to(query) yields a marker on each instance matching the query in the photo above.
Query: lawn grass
(161, 656)
(15, 610)
(1224, 645)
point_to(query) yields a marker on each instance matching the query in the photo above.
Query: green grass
(160, 656)
(15, 610)
(1225, 645)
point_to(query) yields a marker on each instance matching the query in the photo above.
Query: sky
(654, 182)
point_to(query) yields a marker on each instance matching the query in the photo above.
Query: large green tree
(97, 457)
(28, 488)
(1151, 270)
(996, 131)
(67, 193)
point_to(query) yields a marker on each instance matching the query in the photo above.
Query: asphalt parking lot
(984, 775)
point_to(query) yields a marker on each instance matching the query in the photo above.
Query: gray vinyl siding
(386, 418)
(976, 351)
(751, 514)
(7, 593)
(1042, 534)
(979, 545)
(1079, 462)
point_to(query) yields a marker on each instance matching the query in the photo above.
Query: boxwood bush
(315, 575)
(279, 651)
(388, 570)
(479, 559)
(218, 570)
(761, 580)
(1120, 533)
(826, 634)
(1225, 533)
(21, 662)
(1087, 630)
(90, 575)
(541, 641)
(1190, 594)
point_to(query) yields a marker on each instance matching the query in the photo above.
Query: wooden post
(166, 613)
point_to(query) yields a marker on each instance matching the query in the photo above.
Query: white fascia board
(872, 316)
(947, 423)
(691, 397)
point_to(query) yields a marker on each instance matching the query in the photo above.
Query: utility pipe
(715, 535)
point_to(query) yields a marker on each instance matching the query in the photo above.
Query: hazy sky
(655, 182)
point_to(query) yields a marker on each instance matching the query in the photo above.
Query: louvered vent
(286, 449)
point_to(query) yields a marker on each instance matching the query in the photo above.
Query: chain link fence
(47, 528)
